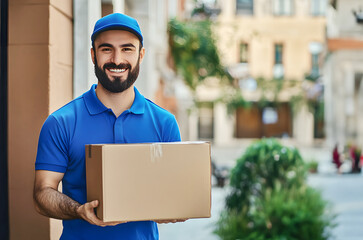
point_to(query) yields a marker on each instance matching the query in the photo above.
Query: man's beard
(117, 85)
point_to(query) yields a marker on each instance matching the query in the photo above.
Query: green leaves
(270, 199)
(264, 165)
(194, 51)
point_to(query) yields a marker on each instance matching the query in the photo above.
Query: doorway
(206, 121)
(255, 122)
(4, 206)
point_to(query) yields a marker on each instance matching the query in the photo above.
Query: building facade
(343, 73)
(267, 39)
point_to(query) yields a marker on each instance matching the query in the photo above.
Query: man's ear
(93, 55)
(142, 54)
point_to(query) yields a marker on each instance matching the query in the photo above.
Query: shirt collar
(138, 106)
(95, 106)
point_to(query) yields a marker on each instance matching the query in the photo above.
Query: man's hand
(171, 220)
(52, 203)
(86, 212)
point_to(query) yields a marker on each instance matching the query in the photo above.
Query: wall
(346, 22)
(40, 81)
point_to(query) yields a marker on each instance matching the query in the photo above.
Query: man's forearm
(51, 203)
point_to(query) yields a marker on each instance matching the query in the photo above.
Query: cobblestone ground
(344, 191)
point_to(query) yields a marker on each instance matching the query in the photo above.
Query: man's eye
(106, 49)
(127, 49)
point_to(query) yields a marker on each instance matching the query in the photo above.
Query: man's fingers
(87, 212)
(182, 220)
(170, 221)
(93, 204)
(113, 223)
(89, 215)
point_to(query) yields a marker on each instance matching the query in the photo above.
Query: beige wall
(262, 31)
(40, 81)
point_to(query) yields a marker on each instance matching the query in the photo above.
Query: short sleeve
(52, 147)
(171, 131)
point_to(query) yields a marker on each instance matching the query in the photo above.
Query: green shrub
(312, 166)
(269, 198)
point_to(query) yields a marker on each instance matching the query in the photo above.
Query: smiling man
(112, 111)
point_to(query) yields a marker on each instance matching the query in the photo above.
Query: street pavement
(343, 191)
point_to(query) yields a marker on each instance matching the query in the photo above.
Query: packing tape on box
(156, 152)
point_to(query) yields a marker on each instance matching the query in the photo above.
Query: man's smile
(117, 70)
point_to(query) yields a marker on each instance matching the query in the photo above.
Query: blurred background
(231, 71)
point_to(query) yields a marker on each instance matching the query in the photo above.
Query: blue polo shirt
(85, 120)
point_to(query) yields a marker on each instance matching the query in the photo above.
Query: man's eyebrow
(105, 45)
(128, 45)
(121, 46)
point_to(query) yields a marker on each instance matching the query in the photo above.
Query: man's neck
(118, 102)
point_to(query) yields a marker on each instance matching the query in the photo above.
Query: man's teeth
(117, 70)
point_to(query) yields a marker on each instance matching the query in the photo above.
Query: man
(113, 111)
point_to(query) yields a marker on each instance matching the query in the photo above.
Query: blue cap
(117, 21)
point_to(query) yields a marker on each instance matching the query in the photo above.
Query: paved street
(344, 191)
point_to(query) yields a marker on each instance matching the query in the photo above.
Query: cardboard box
(154, 181)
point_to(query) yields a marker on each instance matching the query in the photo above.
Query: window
(278, 71)
(318, 7)
(244, 7)
(243, 53)
(315, 48)
(283, 7)
(278, 53)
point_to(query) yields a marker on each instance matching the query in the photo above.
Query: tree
(194, 51)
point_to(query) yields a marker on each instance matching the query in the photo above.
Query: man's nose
(117, 57)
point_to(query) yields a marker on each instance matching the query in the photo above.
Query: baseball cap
(116, 21)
